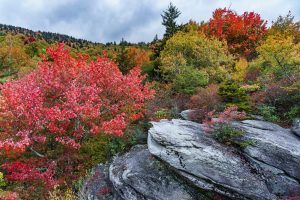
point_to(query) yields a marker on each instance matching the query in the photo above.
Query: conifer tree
(169, 16)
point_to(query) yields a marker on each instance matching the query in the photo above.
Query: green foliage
(101, 147)
(268, 113)
(3, 183)
(169, 20)
(162, 114)
(189, 79)
(285, 25)
(293, 113)
(95, 149)
(234, 95)
(196, 50)
(280, 57)
(279, 63)
(226, 134)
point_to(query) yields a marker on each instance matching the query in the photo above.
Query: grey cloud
(135, 20)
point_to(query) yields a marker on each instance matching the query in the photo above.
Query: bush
(206, 99)
(189, 79)
(293, 113)
(282, 97)
(46, 115)
(226, 134)
(221, 127)
(268, 113)
(196, 50)
(234, 95)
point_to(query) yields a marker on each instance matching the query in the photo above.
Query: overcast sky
(135, 20)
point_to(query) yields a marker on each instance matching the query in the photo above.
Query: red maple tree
(60, 104)
(242, 32)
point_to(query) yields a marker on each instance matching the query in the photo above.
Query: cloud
(134, 20)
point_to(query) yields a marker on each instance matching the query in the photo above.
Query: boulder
(137, 175)
(273, 145)
(263, 170)
(186, 114)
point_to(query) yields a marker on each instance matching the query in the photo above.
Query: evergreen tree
(122, 57)
(169, 16)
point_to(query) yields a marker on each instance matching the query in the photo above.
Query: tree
(279, 57)
(47, 114)
(279, 64)
(12, 56)
(234, 95)
(196, 50)
(122, 57)
(285, 25)
(169, 16)
(189, 80)
(243, 33)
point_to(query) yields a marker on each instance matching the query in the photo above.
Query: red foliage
(242, 32)
(9, 196)
(204, 101)
(18, 171)
(29, 40)
(64, 101)
(228, 115)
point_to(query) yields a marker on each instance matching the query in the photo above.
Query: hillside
(47, 36)
(210, 111)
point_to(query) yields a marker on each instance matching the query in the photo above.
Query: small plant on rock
(221, 128)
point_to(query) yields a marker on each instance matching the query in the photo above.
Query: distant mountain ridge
(47, 36)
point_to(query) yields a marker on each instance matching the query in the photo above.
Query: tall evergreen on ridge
(169, 20)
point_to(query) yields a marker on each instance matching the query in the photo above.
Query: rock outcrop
(181, 161)
(265, 169)
(138, 175)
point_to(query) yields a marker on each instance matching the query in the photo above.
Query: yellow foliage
(196, 50)
(240, 70)
(57, 194)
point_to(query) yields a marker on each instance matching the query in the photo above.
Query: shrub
(162, 114)
(240, 71)
(282, 97)
(293, 113)
(205, 100)
(221, 127)
(46, 115)
(268, 113)
(57, 194)
(234, 95)
(227, 134)
(189, 79)
(222, 130)
(2, 181)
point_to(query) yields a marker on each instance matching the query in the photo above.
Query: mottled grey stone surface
(138, 175)
(296, 127)
(267, 168)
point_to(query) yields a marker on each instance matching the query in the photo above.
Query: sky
(134, 20)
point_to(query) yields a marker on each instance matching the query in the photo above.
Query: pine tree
(169, 16)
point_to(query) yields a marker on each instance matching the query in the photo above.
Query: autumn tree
(196, 50)
(12, 56)
(243, 33)
(285, 25)
(279, 66)
(47, 114)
